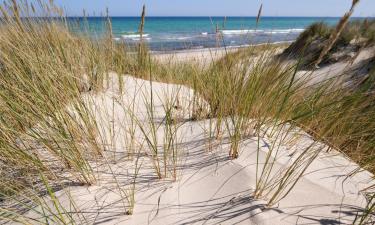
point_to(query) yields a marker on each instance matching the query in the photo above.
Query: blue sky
(217, 7)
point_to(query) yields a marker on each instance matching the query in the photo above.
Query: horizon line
(67, 16)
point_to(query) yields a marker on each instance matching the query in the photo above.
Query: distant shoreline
(198, 50)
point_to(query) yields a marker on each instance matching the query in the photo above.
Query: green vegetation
(249, 92)
(356, 35)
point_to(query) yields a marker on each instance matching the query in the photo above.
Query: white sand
(200, 55)
(208, 55)
(210, 188)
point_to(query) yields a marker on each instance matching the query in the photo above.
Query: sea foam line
(131, 36)
(276, 31)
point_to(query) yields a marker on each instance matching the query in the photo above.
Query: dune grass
(367, 216)
(336, 33)
(46, 71)
(355, 35)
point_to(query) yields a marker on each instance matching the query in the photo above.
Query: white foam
(283, 31)
(204, 33)
(234, 32)
(276, 31)
(131, 36)
(178, 38)
(143, 38)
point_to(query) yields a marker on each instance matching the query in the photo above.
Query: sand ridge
(209, 188)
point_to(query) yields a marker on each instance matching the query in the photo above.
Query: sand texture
(202, 185)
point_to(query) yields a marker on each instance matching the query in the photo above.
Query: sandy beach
(208, 55)
(204, 186)
(164, 120)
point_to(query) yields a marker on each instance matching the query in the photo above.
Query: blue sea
(177, 33)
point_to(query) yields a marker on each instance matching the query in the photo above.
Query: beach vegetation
(50, 136)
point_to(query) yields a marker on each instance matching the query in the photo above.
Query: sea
(180, 33)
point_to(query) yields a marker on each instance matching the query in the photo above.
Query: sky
(331, 8)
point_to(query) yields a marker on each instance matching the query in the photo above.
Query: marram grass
(45, 71)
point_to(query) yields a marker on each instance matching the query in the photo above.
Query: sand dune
(209, 187)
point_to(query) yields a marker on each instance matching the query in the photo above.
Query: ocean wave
(178, 38)
(234, 32)
(276, 31)
(135, 35)
(284, 31)
(139, 38)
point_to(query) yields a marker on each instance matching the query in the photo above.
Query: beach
(200, 183)
(204, 185)
(208, 55)
(185, 120)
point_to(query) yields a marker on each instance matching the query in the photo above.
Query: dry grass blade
(52, 86)
(259, 14)
(336, 33)
(142, 55)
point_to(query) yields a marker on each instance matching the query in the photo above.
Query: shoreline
(236, 47)
(204, 55)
